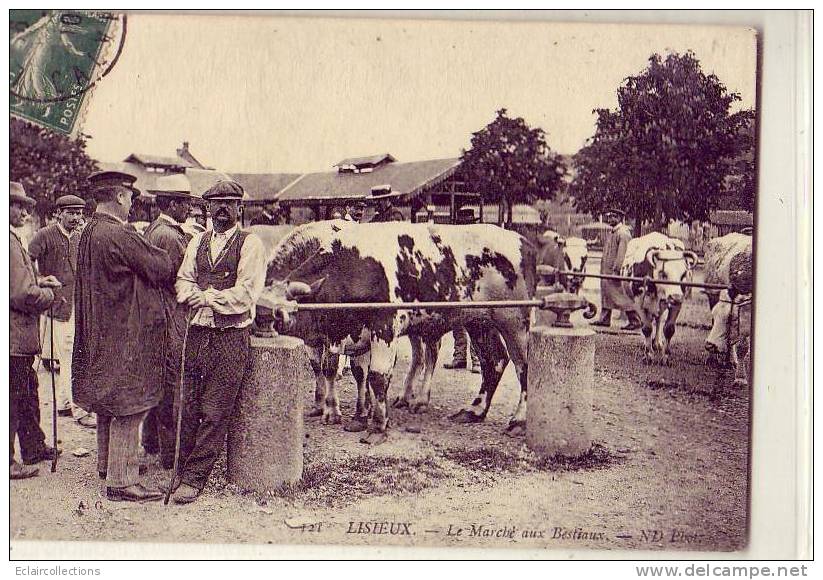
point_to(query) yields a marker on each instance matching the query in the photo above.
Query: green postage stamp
(56, 59)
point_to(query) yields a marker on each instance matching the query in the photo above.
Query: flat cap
(230, 190)
(18, 193)
(100, 179)
(70, 201)
(175, 185)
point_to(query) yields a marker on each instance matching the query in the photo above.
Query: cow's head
(575, 253)
(674, 265)
(731, 318)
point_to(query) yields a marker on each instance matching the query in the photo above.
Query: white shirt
(240, 298)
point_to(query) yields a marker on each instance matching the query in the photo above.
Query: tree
(668, 149)
(47, 164)
(510, 163)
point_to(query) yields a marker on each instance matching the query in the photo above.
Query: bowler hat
(618, 212)
(228, 190)
(18, 193)
(175, 185)
(70, 202)
(101, 179)
(383, 192)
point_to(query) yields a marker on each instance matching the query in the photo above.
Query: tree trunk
(500, 211)
(638, 224)
(509, 216)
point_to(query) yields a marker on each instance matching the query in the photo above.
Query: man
(611, 291)
(28, 300)
(270, 216)
(173, 201)
(197, 221)
(54, 249)
(119, 323)
(354, 213)
(221, 278)
(385, 211)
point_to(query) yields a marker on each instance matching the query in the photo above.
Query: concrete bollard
(265, 440)
(561, 376)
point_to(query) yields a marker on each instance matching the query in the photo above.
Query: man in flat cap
(29, 298)
(221, 279)
(54, 249)
(385, 210)
(119, 322)
(173, 201)
(611, 291)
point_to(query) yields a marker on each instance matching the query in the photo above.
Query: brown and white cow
(575, 253)
(402, 262)
(657, 256)
(718, 255)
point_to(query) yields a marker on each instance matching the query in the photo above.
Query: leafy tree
(668, 149)
(510, 163)
(47, 164)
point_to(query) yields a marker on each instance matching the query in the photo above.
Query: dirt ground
(668, 470)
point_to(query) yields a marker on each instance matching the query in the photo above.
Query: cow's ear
(317, 285)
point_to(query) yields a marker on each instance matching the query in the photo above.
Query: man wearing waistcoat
(173, 200)
(54, 249)
(221, 279)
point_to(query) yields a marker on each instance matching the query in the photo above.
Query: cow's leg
(383, 358)
(648, 337)
(668, 332)
(431, 348)
(413, 376)
(315, 353)
(331, 402)
(493, 360)
(360, 372)
(517, 342)
(742, 360)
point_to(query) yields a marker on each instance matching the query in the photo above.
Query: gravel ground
(668, 470)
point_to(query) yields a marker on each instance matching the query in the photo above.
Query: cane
(179, 410)
(53, 392)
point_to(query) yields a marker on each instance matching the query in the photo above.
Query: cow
(732, 319)
(575, 253)
(657, 256)
(718, 255)
(403, 262)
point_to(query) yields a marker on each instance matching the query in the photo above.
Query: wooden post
(265, 440)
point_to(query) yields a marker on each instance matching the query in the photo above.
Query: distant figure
(611, 291)
(270, 216)
(354, 213)
(385, 212)
(196, 222)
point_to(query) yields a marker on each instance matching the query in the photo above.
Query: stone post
(265, 440)
(561, 377)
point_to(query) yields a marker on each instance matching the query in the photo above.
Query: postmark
(56, 59)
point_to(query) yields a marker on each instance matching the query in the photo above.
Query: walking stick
(53, 392)
(179, 410)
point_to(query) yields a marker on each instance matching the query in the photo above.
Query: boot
(455, 364)
(605, 318)
(634, 322)
(17, 471)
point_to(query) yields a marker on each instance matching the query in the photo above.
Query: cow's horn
(296, 289)
(691, 259)
(651, 255)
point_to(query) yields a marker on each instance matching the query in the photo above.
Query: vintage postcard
(391, 282)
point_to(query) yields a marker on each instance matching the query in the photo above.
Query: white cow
(718, 256)
(575, 253)
(657, 256)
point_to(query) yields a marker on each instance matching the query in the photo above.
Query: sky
(277, 94)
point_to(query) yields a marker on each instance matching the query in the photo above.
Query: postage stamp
(56, 59)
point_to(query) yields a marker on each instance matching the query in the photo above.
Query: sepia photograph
(396, 282)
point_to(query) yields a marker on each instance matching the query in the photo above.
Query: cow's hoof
(516, 428)
(315, 412)
(465, 416)
(332, 418)
(419, 408)
(355, 426)
(400, 403)
(374, 438)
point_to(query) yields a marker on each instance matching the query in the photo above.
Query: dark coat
(56, 255)
(28, 300)
(173, 239)
(119, 319)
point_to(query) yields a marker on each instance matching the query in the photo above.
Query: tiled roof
(405, 178)
(144, 159)
(264, 186)
(368, 160)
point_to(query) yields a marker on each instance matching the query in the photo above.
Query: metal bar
(549, 270)
(421, 305)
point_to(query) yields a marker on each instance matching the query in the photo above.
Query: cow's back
(719, 253)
